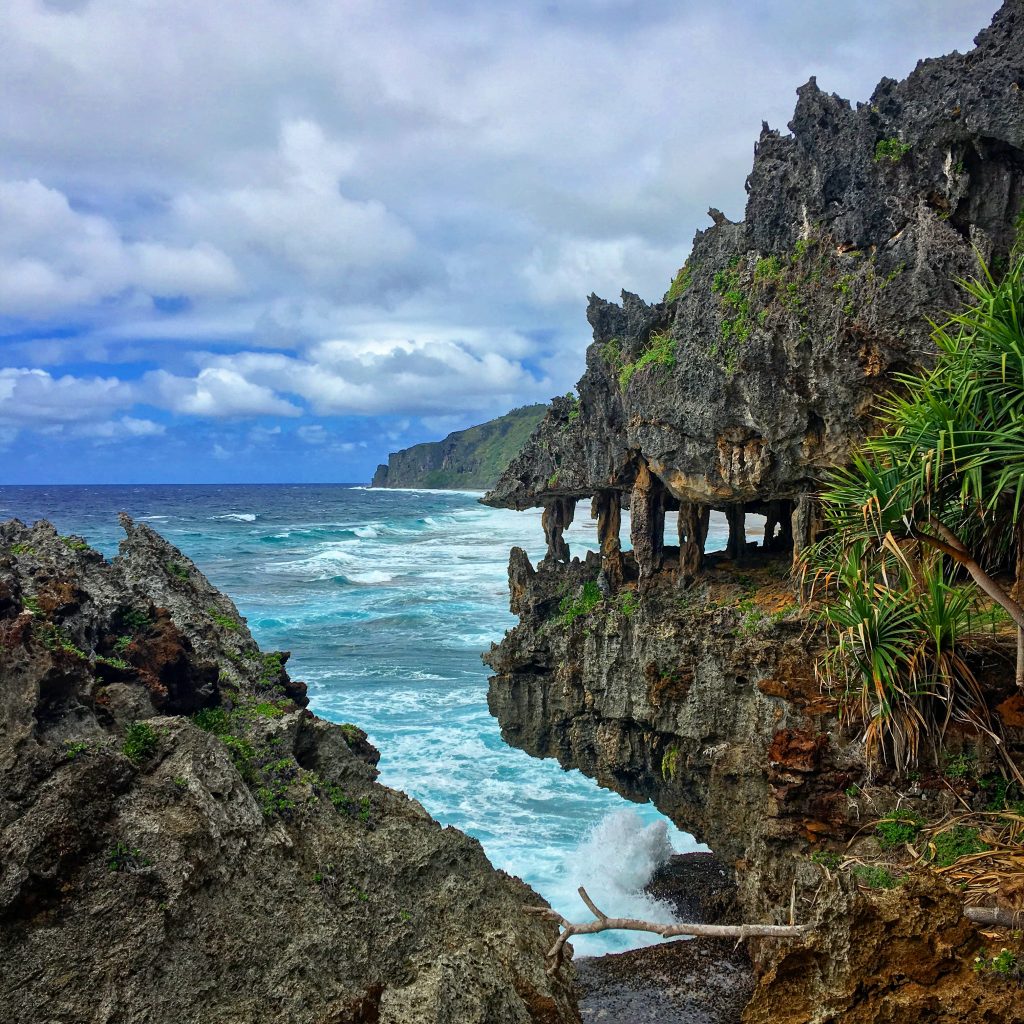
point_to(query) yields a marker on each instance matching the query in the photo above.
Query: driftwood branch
(998, 916)
(604, 923)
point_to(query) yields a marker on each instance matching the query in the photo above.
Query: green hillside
(470, 459)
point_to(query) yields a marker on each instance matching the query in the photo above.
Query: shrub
(679, 284)
(1005, 963)
(140, 740)
(661, 350)
(875, 877)
(265, 709)
(959, 841)
(224, 621)
(352, 733)
(891, 149)
(122, 857)
(215, 720)
(962, 766)
(178, 570)
(827, 859)
(921, 520)
(579, 607)
(135, 620)
(898, 829)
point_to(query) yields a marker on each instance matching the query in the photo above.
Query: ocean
(386, 599)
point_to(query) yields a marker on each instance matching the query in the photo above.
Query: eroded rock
(248, 870)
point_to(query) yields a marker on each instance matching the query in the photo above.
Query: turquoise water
(386, 600)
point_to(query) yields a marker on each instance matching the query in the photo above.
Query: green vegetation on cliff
(926, 550)
(466, 459)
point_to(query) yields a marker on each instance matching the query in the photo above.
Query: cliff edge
(182, 840)
(687, 677)
(471, 459)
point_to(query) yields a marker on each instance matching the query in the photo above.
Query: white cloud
(121, 429)
(384, 377)
(35, 397)
(314, 433)
(53, 258)
(572, 268)
(294, 212)
(216, 391)
(403, 205)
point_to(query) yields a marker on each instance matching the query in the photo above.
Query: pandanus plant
(925, 548)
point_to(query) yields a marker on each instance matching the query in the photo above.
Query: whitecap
(371, 576)
(239, 517)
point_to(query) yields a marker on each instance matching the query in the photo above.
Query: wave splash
(613, 862)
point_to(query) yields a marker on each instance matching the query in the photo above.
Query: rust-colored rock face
(903, 955)
(796, 750)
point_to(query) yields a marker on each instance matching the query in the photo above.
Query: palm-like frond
(902, 622)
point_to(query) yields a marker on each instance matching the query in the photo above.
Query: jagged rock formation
(688, 680)
(180, 840)
(760, 367)
(706, 704)
(472, 459)
(847, 971)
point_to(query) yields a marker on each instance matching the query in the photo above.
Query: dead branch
(998, 916)
(603, 923)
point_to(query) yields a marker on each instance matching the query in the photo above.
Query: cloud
(53, 258)
(32, 397)
(121, 429)
(231, 211)
(570, 268)
(216, 391)
(343, 377)
(295, 215)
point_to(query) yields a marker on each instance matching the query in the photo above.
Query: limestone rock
(252, 870)
(760, 367)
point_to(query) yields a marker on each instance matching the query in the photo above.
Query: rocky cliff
(471, 459)
(685, 678)
(760, 365)
(181, 840)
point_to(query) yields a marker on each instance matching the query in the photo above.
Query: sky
(273, 240)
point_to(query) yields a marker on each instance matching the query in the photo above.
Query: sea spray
(614, 861)
(401, 658)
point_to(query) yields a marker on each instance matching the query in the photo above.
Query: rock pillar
(607, 510)
(647, 521)
(693, 533)
(805, 525)
(556, 518)
(736, 548)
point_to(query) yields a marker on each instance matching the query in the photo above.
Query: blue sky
(258, 240)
